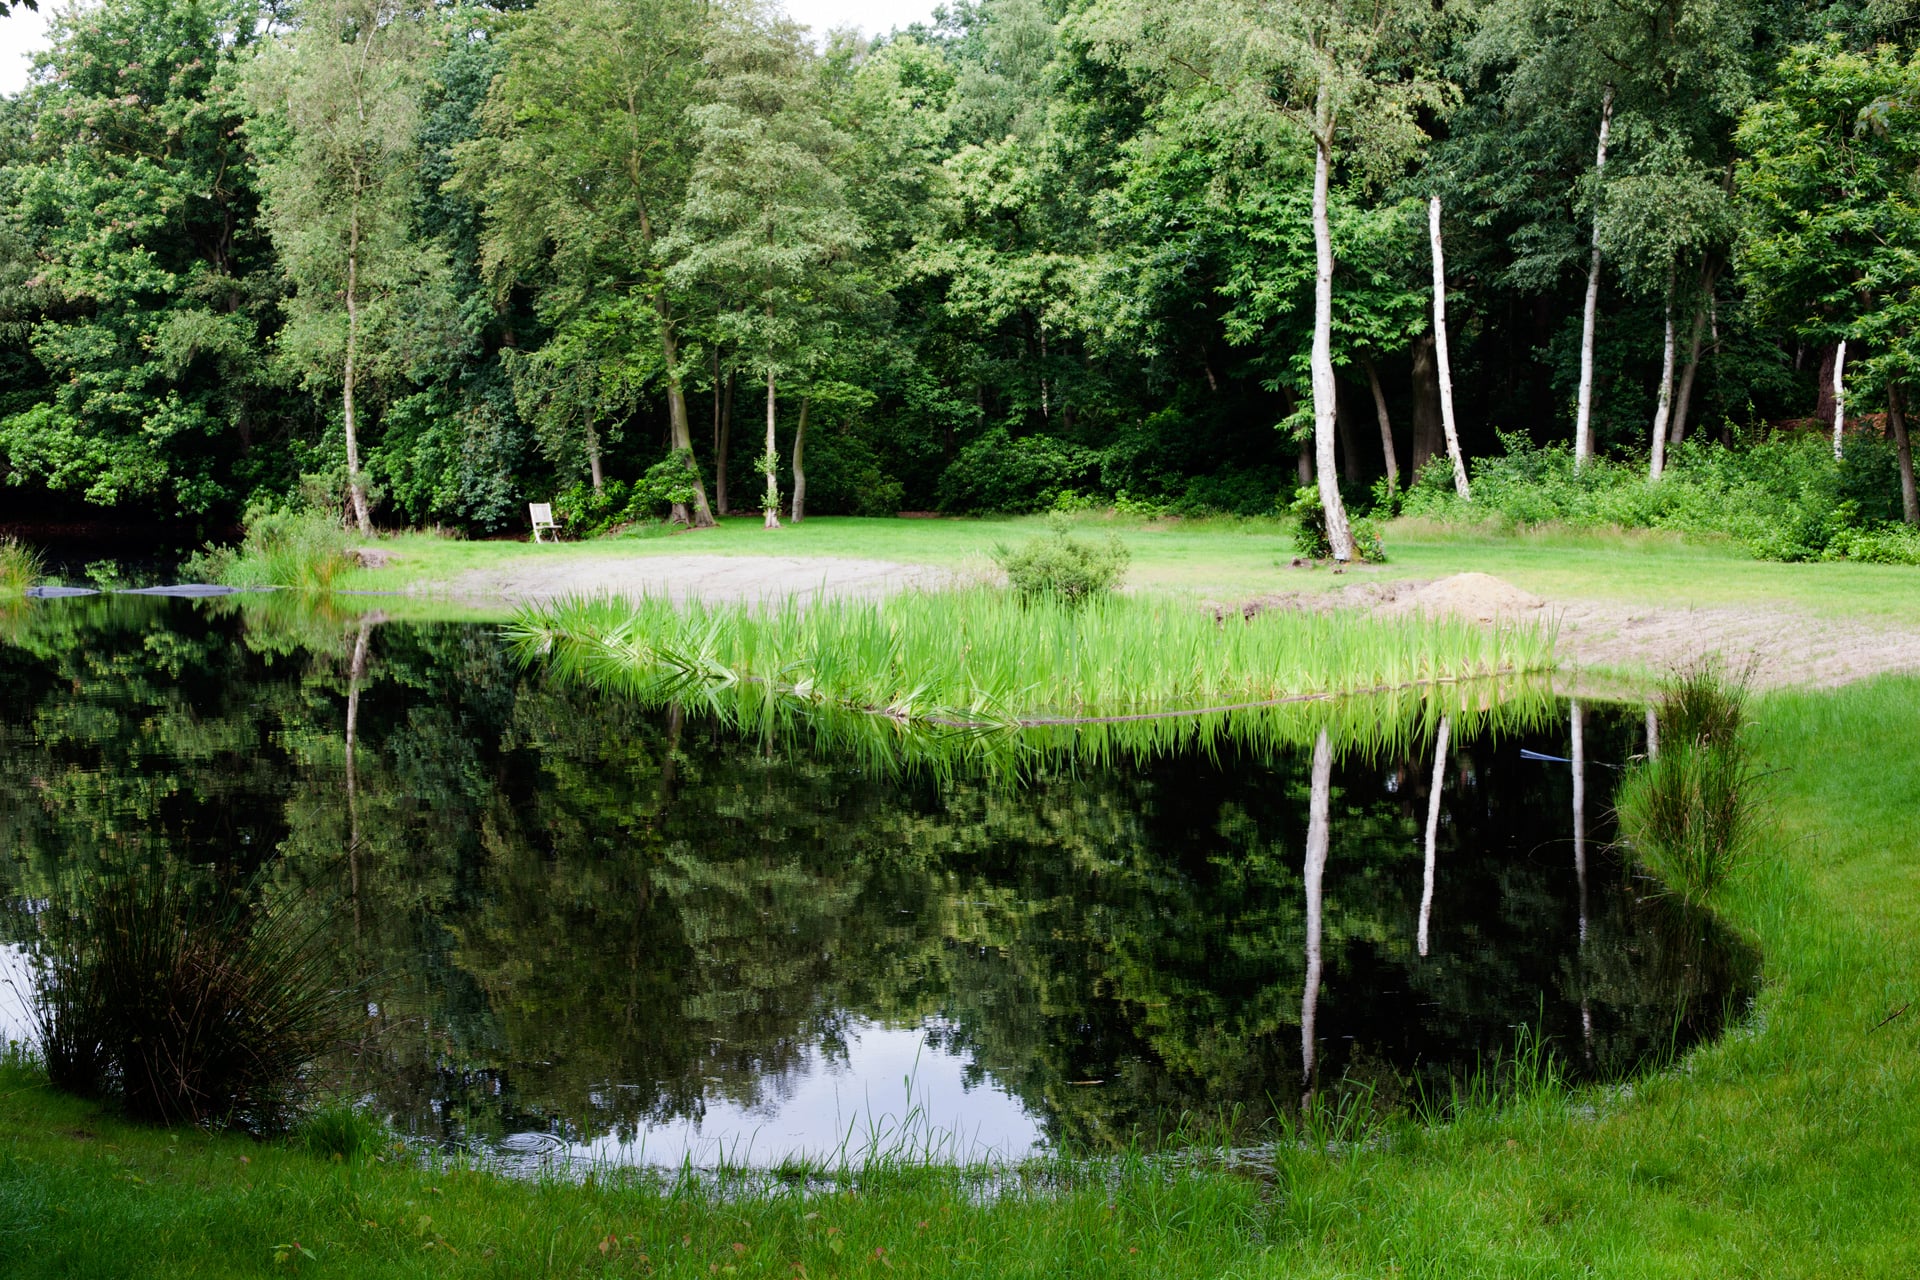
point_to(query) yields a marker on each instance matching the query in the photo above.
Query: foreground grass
(1227, 560)
(1789, 1149)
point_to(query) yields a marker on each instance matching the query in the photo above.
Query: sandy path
(721, 579)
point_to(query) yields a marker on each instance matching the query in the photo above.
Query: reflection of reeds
(186, 1007)
(968, 673)
(20, 567)
(1691, 813)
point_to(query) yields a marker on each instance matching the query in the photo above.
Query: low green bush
(1061, 567)
(20, 567)
(1310, 530)
(586, 512)
(1783, 498)
(999, 473)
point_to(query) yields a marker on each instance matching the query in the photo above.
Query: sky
(24, 31)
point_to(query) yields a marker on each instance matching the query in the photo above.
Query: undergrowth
(305, 550)
(20, 567)
(1061, 567)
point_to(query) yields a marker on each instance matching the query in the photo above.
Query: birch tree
(336, 108)
(1348, 76)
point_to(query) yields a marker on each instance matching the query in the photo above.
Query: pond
(592, 928)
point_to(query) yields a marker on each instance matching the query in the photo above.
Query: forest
(421, 264)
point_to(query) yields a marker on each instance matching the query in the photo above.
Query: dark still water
(591, 927)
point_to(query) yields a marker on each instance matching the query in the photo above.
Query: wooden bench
(542, 513)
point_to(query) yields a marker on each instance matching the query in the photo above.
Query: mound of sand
(1479, 596)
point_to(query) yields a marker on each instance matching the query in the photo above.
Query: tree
(582, 169)
(1830, 222)
(1349, 74)
(338, 112)
(767, 227)
(137, 275)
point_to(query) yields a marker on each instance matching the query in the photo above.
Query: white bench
(542, 513)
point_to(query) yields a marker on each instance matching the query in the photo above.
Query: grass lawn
(1234, 559)
(1790, 1149)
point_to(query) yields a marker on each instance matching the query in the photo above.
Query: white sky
(24, 31)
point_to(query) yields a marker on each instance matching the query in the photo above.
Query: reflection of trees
(575, 910)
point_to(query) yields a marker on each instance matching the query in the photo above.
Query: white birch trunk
(1653, 733)
(1664, 407)
(771, 462)
(1339, 537)
(1583, 410)
(356, 484)
(1839, 394)
(1440, 351)
(1433, 831)
(1321, 798)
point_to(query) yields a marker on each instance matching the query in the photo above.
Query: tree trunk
(1839, 394)
(1583, 411)
(1303, 465)
(771, 462)
(593, 457)
(1684, 400)
(1429, 435)
(1663, 409)
(1320, 800)
(723, 448)
(1339, 538)
(356, 485)
(681, 433)
(799, 465)
(1440, 351)
(1433, 832)
(1386, 425)
(1897, 423)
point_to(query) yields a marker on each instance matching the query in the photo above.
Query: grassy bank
(1226, 560)
(1789, 1149)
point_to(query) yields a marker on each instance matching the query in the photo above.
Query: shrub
(1060, 566)
(1691, 812)
(1000, 473)
(20, 567)
(185, 1007)
(586, 512)
(1310, 530)
(341, 1133)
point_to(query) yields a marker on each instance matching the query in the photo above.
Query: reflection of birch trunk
(355, 674)
(1579, 754)
(1433, 830)
(1316, 867)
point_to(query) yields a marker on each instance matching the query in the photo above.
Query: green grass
(1788, 1149)
(1225, 560)
(20, 568)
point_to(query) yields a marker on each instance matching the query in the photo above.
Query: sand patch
(715, 579)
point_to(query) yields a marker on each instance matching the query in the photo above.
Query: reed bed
(980, 673)
(20, 567)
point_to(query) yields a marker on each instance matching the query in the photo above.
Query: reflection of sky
(828, 1105)
(16, 980)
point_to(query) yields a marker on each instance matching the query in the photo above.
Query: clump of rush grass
(1691, 811)
(20, 567)
(186, 1006)
(302, 550)
(984, 660)
(1060, 567)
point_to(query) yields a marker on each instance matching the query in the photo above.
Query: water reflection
(599, 927)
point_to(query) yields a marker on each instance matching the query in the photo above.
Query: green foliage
(1059, 566)
(187, 1006)
(1692, 811)
(1784, 498)
(1310, 527)
(587, 513)
(341, 1132)
(1000, 473)
(20, 567)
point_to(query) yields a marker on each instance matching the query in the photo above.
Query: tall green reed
(1691, 812)
(20, 567)
(980, 674)
(185, 1004)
